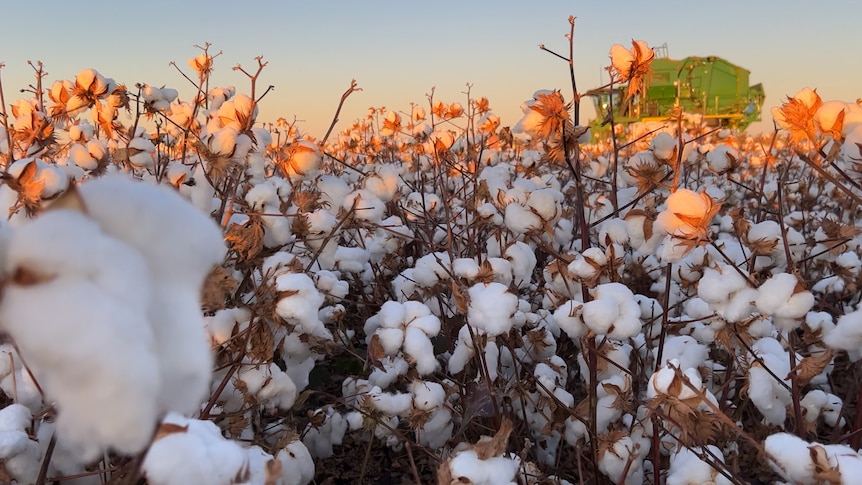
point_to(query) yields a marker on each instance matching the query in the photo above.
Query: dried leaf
(218, 286)
(376, 354)
(246, 240)
(461, 297)
(29, 187)
(261, 342)
(272, 471)
(496, 445)
(166, 429)
(812, 366)
(823, 470)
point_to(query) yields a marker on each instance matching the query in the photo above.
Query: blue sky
(398, 50)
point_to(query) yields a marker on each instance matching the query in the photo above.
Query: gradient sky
(398, 50)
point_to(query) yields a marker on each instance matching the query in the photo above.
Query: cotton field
(193, 295)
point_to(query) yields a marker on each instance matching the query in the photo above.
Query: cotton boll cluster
(612, 312)
(194, 451)
(268, 384)
(781, 297)
(621, 459)
(727, 293)
(264, 199)
(817, 404)
(326, 429)
(405, 329)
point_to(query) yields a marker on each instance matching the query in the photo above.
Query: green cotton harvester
(709, 89)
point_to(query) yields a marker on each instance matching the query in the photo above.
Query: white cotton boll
(779, 297)
(195, 453)
(520, 219)
(351, 259)
(588, 264)
(428, 324)
(847, 335)
(366, 205)
(663, 146)
(140, 152)
(523, 261)
(687, 468)
(418, 346)
(568, 318)
(502, 269)
(465, 268)
(718, 284)
(790, 457)
(463, 352)
(390, 315)
(260, 195)
(491, 308)
(297, 465)
(546, 203)
(498, 470)
(393, 404)
(429, 269)
(269, 384)
(437, 430)
(180, 245)
(393, 368)
(99, 363)
(21, 456)
(618, 464)
(600, 314)
(333, 190)
(301, 305)
(740, 306)
(329, 283)
(391, 339)
(770, 397)
(721, 158)
(221, 326)
(276, 264)
(613, 231)
(427, 395)
(686, 203)
(685, 350)
(79, 155)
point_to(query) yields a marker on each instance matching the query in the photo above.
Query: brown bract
(554, 112)
(797, 116)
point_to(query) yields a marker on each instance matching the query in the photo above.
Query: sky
(400, 50)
